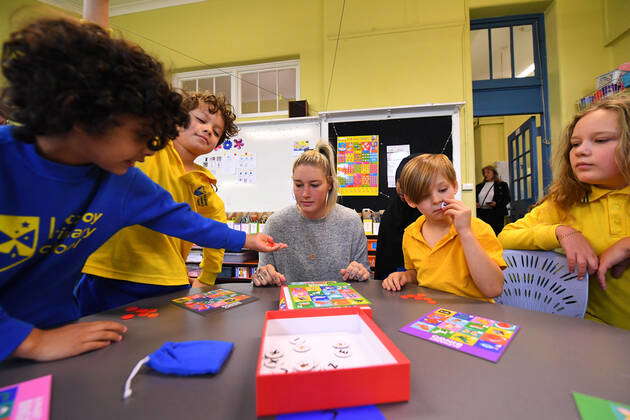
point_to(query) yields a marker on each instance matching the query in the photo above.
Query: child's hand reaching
(69, 340)
(459, 213)
(263, 243)
(616, 259)
(397, 280)
(578, 250)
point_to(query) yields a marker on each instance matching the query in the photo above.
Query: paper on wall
(395, 154)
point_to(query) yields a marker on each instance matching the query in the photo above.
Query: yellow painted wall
(490, 143)
(491, 139)
(217, 33)
(616, 21)
(480, 9)
(396, 55)
(576, 55)
(621, 49)
(16, 13)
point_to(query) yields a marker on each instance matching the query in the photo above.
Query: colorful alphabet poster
(320, 294)
(481, 337)
(29, 400)
(357, 165)
(213, 300)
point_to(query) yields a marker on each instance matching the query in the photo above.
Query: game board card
(593, 408)
(29, 400)
(481, 337)
(322, 294)
(213, 300)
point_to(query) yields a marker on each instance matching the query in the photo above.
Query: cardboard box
(376, 372)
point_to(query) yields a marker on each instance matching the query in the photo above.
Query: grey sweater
(318, 249)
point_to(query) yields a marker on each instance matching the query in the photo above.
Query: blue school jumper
(53, 216)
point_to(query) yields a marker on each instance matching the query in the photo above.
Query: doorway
(509, 69)
(512, 144)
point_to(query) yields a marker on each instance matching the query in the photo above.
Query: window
(504, 52)
(256, 90)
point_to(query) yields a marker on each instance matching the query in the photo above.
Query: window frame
(510, 22)
(235, 74)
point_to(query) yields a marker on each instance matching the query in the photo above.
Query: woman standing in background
(493, 196)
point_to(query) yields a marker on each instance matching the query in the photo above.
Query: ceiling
(121, 7)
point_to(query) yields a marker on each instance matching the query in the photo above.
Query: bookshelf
(240, 266)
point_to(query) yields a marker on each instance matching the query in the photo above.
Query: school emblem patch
(18, 239)
(202, 198)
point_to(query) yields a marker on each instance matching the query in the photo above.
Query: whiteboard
(257, 177)
(253, 168)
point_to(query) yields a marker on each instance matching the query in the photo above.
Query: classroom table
(550, 357)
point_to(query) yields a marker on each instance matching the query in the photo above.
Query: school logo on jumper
(18, 239)
(202, 198)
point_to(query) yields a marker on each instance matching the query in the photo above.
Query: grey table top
(549, 358)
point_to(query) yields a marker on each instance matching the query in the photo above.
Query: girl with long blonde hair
(587, 209)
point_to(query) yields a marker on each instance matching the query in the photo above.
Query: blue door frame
(514, 96)
(523, 165)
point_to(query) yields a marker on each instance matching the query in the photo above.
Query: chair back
(541, 281)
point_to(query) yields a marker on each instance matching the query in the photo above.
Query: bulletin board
(423, 135)
(253, 169)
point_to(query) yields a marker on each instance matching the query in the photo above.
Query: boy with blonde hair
(445, 248)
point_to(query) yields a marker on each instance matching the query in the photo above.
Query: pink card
(28, 400)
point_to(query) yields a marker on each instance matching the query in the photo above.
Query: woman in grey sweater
(326, 240)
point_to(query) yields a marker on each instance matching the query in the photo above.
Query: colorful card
(28, 400)
(320, 294)
(357, 165)
(213, 300)
(593, 408)
(481, 337)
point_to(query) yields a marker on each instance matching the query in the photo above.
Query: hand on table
(195, 283)
(355, 271)
(69, 340)
(616, 259)
(578, 250)
(266, 275)
(395, 281)
(263, 243)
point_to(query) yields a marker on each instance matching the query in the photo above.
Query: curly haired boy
(88, 107)
(137, 263)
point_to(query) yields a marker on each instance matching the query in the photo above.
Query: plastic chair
(541, 281)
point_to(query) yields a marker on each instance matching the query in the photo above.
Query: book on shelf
(239, 257)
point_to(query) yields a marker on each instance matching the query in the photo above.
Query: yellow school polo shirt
(142, 255)
(443, 266)
(604, 220)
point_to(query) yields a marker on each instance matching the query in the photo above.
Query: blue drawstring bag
(185, 358)
(367, 412)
